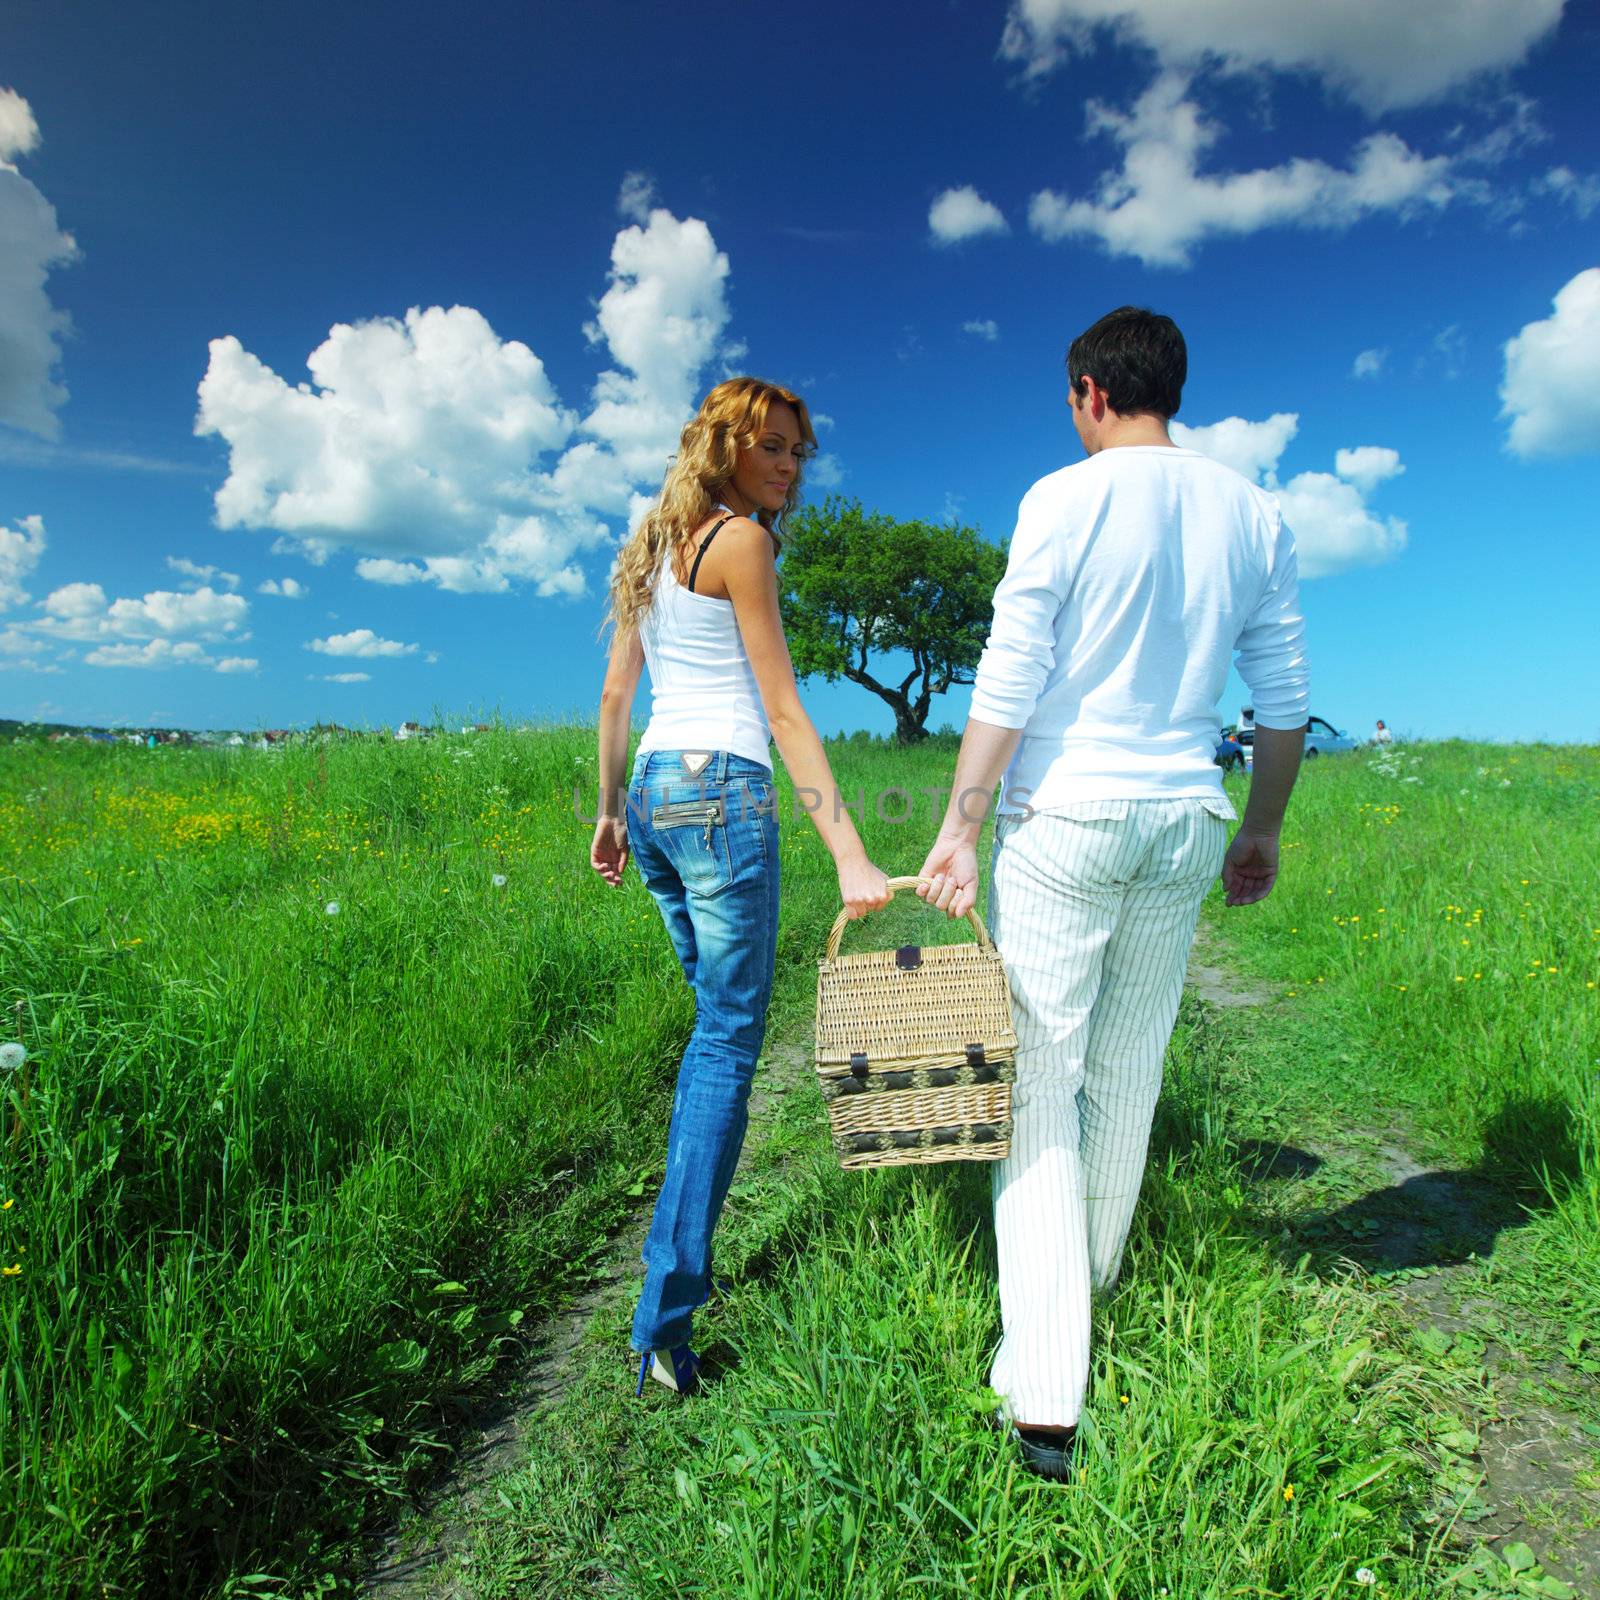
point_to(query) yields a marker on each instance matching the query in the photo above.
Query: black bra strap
(702, 550)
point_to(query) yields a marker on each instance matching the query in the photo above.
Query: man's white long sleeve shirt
(1133, 577)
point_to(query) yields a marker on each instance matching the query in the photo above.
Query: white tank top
(703, 691)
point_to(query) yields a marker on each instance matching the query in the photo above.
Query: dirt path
(1524, 1472)
(419, 1558)
(1522, 1481)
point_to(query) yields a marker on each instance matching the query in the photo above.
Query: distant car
(1230, 753)
(1322, 738)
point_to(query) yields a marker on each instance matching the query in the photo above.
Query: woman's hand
(862, 886)
(608, 855)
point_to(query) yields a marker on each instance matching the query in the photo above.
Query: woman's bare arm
(616, 713)
(747, 570)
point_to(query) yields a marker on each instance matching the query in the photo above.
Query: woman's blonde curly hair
(730, 419)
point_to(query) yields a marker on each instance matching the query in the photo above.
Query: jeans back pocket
(693, 835)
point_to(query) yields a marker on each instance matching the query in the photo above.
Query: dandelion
(498, 880)
(8, 1204)
(12, 1056)
(13, 1270)
(332, 908)
(1366, 1577)
(1124, 1399)
(1288, 1491)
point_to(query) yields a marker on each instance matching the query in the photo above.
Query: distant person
(1381, 734)
(1132, 578)
(700, 801)
(1247, 719)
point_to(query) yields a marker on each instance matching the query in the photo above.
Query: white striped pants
(1093, 907)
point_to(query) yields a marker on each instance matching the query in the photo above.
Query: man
(1381, 734)
(1132, 578)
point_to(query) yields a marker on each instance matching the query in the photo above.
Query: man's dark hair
(1138, 357)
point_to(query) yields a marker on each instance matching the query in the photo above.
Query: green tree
(856, 586)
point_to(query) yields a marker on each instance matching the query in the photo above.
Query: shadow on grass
(1427, 1217)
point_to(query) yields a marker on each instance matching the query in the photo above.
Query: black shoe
(1046, 1451)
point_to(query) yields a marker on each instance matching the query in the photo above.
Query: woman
(695, 595)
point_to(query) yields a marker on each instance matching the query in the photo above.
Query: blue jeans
(707, 849)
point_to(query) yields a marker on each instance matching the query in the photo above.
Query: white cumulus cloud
(81, 612)
(982, 328)
(1334, 527)
(1368, 363)
(198, 574)
(287, 588)
(636, 196)
(1382, 54)
(31, 243)
(963, 213)
(440, 453)
(661, 319)
(21, 546)
(1158, 204)
(1250, 448)
(21, 651)
(1367, 465)
(340, 677)
(825, 472)
(360, 642)
(1550, 391)
(14, 641)
(165, 653)
(1580, 191)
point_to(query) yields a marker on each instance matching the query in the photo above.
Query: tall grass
(1442, 902)
(1261, 1420)
(314, 1113)
(282, 1179)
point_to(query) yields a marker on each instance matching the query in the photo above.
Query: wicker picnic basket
(916, 1050)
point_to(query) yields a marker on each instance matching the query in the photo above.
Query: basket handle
(836, 932)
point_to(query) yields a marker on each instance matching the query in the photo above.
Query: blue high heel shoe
(677, 1368)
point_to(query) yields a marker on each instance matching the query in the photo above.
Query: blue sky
(1379, 228)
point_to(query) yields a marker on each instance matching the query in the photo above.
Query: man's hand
(1250, 867)
(608, 855)
(953, 866)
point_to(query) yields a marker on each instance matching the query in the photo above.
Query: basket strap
(836, 932)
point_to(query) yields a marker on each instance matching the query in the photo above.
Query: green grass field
(318, 1116)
